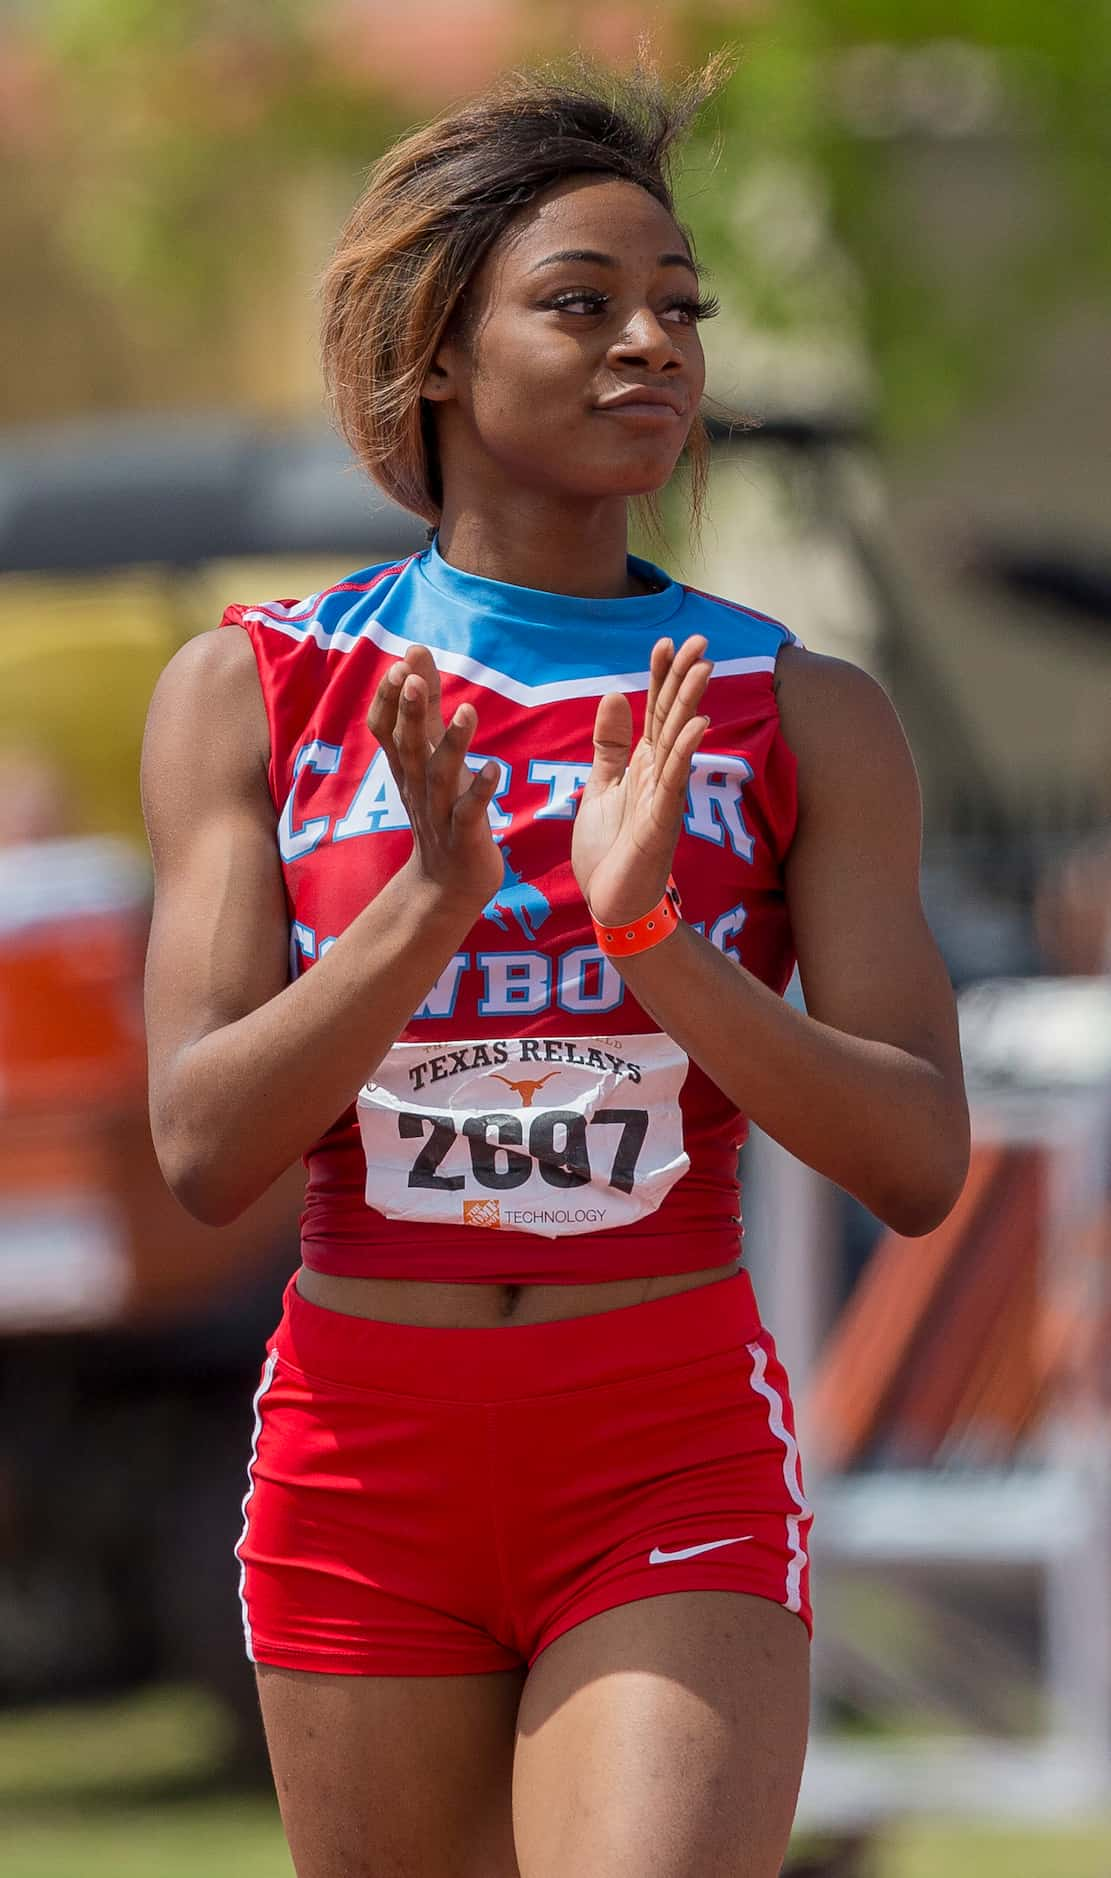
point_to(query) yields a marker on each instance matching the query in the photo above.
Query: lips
(647, 399)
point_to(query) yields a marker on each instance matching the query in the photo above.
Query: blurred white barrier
(1039, 1065)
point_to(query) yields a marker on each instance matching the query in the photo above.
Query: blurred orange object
(72, 932)
(952, 1343)
(90, 1234)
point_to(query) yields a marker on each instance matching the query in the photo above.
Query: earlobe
(437, 383)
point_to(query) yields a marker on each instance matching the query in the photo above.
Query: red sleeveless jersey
(531, 1123)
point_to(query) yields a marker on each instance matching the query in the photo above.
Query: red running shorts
(438, 1501)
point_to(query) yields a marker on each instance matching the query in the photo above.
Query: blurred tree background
(901, 206)
(176, 169)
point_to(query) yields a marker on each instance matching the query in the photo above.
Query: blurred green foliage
(161, 135)
(876, 104)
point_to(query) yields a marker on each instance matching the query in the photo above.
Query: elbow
(928, 1204)
(915, 1215)
(924, 1204)
(193, 1179)
(205, 1203)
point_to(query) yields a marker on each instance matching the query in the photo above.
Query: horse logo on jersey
(517, 896)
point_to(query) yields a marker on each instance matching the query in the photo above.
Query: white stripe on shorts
(267, 1379)
(797, 1560)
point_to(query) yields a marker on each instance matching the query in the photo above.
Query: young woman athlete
(524, 1557)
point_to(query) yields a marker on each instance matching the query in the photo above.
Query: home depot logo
(481, 1213)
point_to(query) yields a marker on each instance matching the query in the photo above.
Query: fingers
(676, 728)
(445, 765)
(670, 792)
(668, 671)
(419, 660)
(662, 654)
(684, 705)
(427, 760)
(613, 740)
(472, 805)
(383, 714)
(411, 738)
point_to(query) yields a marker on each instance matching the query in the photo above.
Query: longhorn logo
(526, 1090)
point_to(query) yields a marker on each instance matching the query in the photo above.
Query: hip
(425, 1501)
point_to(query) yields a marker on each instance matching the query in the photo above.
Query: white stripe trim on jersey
(267, 1379)
(791, 1475)
(485, 675)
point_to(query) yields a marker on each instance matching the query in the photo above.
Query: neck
(581, 550)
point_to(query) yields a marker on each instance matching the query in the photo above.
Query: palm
(615, 834)
(632, 804)
(446, 795)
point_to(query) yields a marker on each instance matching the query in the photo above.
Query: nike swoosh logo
(656, 1557)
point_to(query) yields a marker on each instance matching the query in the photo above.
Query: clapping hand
(453, 845)
(633, 800)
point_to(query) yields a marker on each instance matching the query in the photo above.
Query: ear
(439, 380)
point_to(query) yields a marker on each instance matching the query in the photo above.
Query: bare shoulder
(208, 698)
(214, 670)
(843, 729)
(219, 934)
(826, 703)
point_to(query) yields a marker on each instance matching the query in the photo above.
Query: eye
(694, 310)
(578, 296)
(689, 310)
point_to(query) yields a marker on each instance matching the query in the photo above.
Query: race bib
(551, 1135)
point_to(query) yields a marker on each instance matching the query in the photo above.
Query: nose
(647, 342)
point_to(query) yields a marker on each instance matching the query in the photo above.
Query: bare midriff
(476, 1307)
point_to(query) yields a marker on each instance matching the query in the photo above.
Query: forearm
(252, 1096)
(879, 1121)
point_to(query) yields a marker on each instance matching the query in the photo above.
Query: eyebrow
(609, 260)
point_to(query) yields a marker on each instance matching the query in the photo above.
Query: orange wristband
(620, 942)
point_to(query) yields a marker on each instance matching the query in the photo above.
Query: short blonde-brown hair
(433, 207)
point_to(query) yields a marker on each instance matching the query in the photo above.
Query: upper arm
(867, 960)
(219, 934)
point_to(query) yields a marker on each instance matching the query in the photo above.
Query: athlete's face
(589, 297)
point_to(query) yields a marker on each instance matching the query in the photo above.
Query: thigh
(664, 1739)
(394, 1776)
